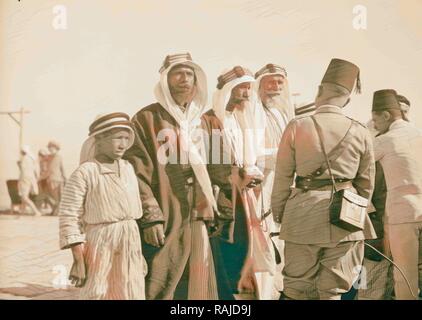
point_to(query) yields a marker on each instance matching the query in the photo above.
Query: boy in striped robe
(97, 212)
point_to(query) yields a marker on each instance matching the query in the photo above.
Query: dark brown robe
(165, 196)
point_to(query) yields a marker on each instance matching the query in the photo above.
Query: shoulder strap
(337, 150)
(318, 130)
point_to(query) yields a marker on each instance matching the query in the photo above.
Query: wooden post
(297, 94)
(20, 132)
(19, 122)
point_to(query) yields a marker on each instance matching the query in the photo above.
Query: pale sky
(108, 57)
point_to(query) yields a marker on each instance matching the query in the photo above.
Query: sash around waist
(86, 224)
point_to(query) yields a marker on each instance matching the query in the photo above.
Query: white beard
(277, 102)
(244, 115)
(245, 119)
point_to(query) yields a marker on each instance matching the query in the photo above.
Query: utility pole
(302, 108)
(18, 121)
(295, 95)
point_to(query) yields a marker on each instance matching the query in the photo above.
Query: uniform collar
(328, 108)
(397, 124)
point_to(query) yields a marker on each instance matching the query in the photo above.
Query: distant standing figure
(56, 175)
(43, 160)
(27, 184)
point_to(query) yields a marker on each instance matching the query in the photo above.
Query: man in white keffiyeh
(242, 251)
(176, 192)
(273, 111)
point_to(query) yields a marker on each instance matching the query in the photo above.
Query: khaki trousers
(322, 271)
(405, 244)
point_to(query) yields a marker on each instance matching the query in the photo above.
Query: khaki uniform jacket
(304, 216)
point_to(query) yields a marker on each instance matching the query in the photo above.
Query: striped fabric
(99, 207)
(93, 195)
(175, 58)
(236, 72)
(202, 278)
(271, 69)
(109, 120)
(114, 262)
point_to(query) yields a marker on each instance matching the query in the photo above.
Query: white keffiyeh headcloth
(283, 112)
(240, 134)
(226, 82)
(189, 121)
(287, 110)
(404, 106)
(162, 92)
(101, 124)
(244, 146)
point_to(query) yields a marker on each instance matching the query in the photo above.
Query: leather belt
(305, 183)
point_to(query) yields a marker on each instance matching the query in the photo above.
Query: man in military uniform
(322, 260)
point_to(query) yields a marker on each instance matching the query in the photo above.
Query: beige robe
(269, 285)
(27, 184)
(399, 151)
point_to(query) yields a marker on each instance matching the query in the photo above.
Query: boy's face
(114, 144)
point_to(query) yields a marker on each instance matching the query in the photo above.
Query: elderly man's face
(240, 96)
(181, 80)
(271, 86)
(241, 92)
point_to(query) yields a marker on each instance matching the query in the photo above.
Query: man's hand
(250, 180)
(154, 235)
(78, 272)
(247, 282)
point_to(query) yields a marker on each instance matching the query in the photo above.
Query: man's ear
(386, 115)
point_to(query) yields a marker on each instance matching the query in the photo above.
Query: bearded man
(273, 111)
(176, 192)
(241, 250)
